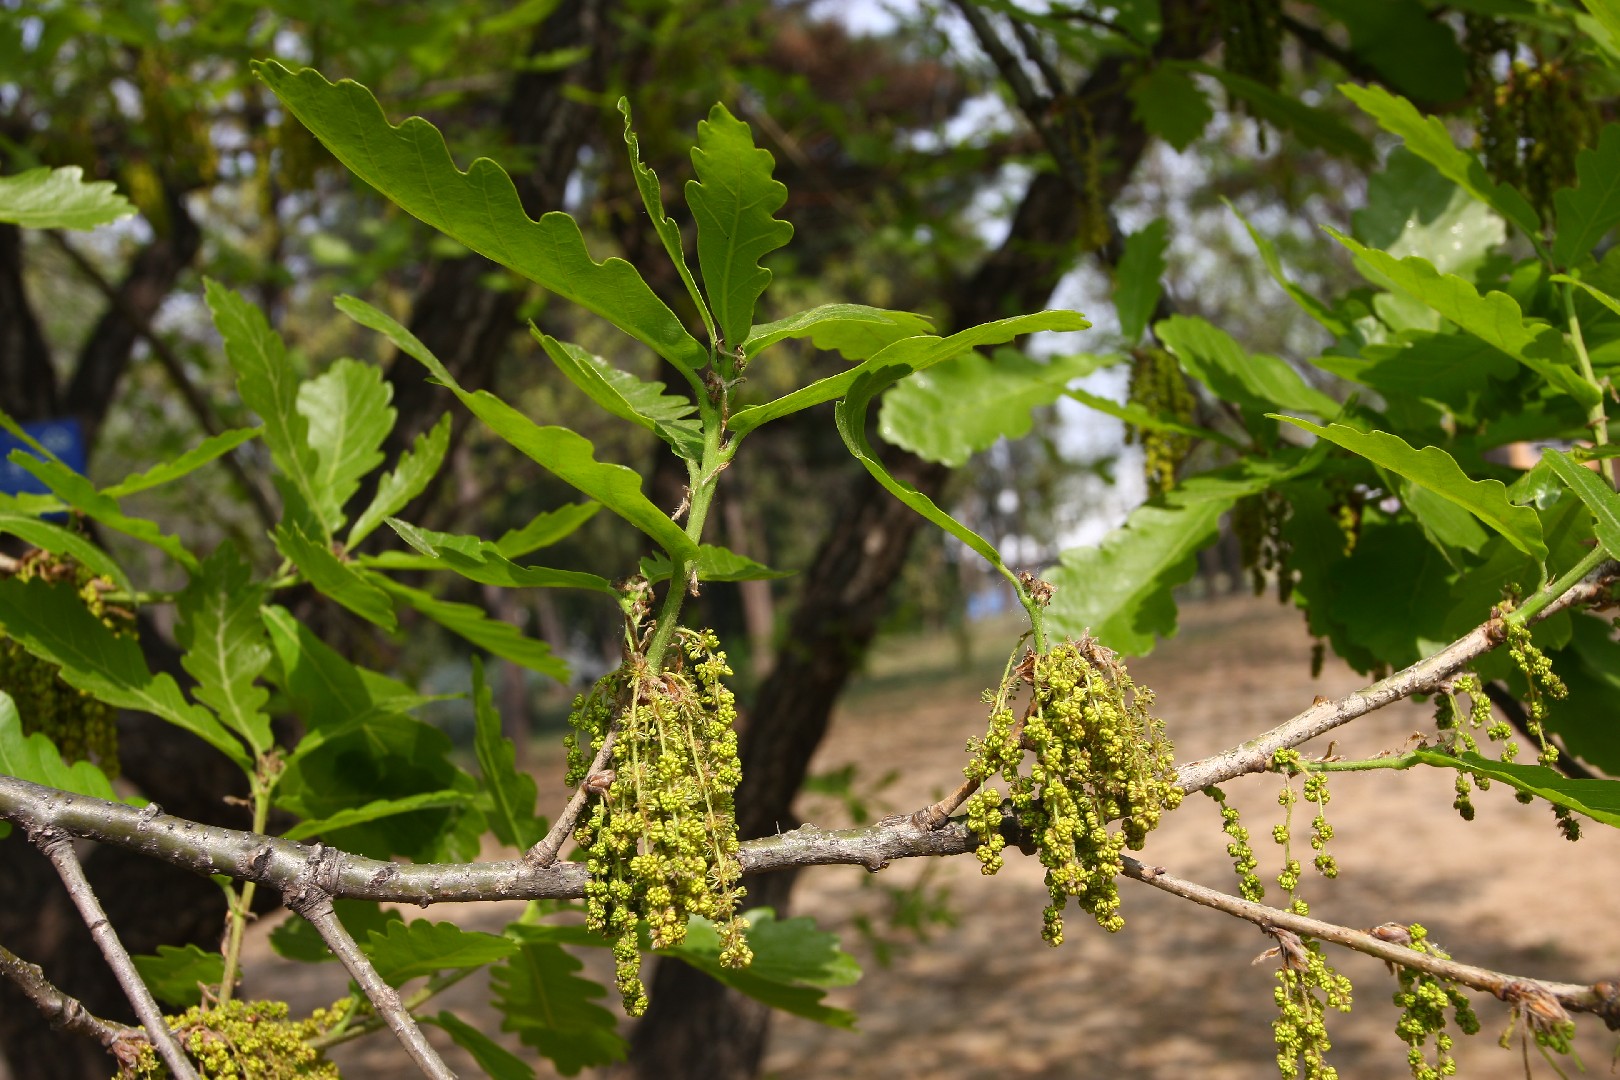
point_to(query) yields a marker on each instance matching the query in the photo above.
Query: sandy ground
(1174, 994)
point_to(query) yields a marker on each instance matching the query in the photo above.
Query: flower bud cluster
(253, 1040)
(1307, 986)
(1457, 733)
(1423, 1000)
(1159, 387)
(1098, 756)
(661, 842)
(81, 727)
(1532, 127)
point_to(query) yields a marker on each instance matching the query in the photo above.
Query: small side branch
(1422, 677)
(63, 1011)
(1600, 999)
(545, 852)
(314, 903)
(58, 847)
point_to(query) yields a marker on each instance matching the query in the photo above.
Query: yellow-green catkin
(1257, 522)
(82, 728)
(1159, 387)
(1423, 1000)
(1097, 756)
(246, 1040)
(1307, 986)
(660, 840)
(1532, 125)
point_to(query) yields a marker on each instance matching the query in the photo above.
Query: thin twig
(58, 847)
(1255, 755)
(545, 852)
(195, 402)
(1030, 102)
(62, 1010)
(1598, 999)
(1037, 55)
(308, 898)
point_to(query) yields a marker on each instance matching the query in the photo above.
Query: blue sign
(64, 438)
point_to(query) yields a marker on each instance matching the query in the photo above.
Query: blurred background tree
(968, 161)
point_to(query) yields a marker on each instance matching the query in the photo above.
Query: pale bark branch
(545, 852)
(62, 1010)
(1602, 998)
(58, 847)
(308, 898)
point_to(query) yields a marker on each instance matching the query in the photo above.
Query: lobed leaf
(478, 560)
(226, 647)
(501, 638)
(853, 330)
(910, 354)
(1171, 105)
(511, 792)
(1412, 209)
(166, 472)
(1598, 496)
(35, 758)
(1597, 799)
(542, 998)
(408, 479)
(1309, 304)
(734, 200)
(568, 455)
(1494, 318)
(349, 415)
(652, 197)
(52, 623)
(404, 951)
(1253, 380)
(60, 199)
(1427, 137)
(1121, 590)
(495, 1059)
(1137, 285)
(333, 577)
(79, 493)
(546, 528)
(51, 537)
(1586, 212)
(964, 405)
(324, 688)
(268, 385)
(1436, 470)
(177, 976)
(714, 563)
(411, 165)
(794, 964)
(642, 403)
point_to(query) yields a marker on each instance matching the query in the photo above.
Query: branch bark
(58, 847)
(61, 1010)
(314, 903)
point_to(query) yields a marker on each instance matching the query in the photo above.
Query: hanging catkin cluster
(660, 841)
(1159, 387)
(1531, 127)
(1097, 756)
(82, 728)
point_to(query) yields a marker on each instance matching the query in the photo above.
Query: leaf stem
(1596, 416)
(1532, 607)
(241, 903)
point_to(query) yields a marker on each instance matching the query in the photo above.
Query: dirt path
(1173, 995)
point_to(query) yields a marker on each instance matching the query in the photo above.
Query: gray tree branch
(62, 1010)
(57, 845)
(311, 900)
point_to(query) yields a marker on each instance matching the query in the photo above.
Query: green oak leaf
(60, 199)
(408, 479)
(734, 200)
(411, 165)
(226, 646)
